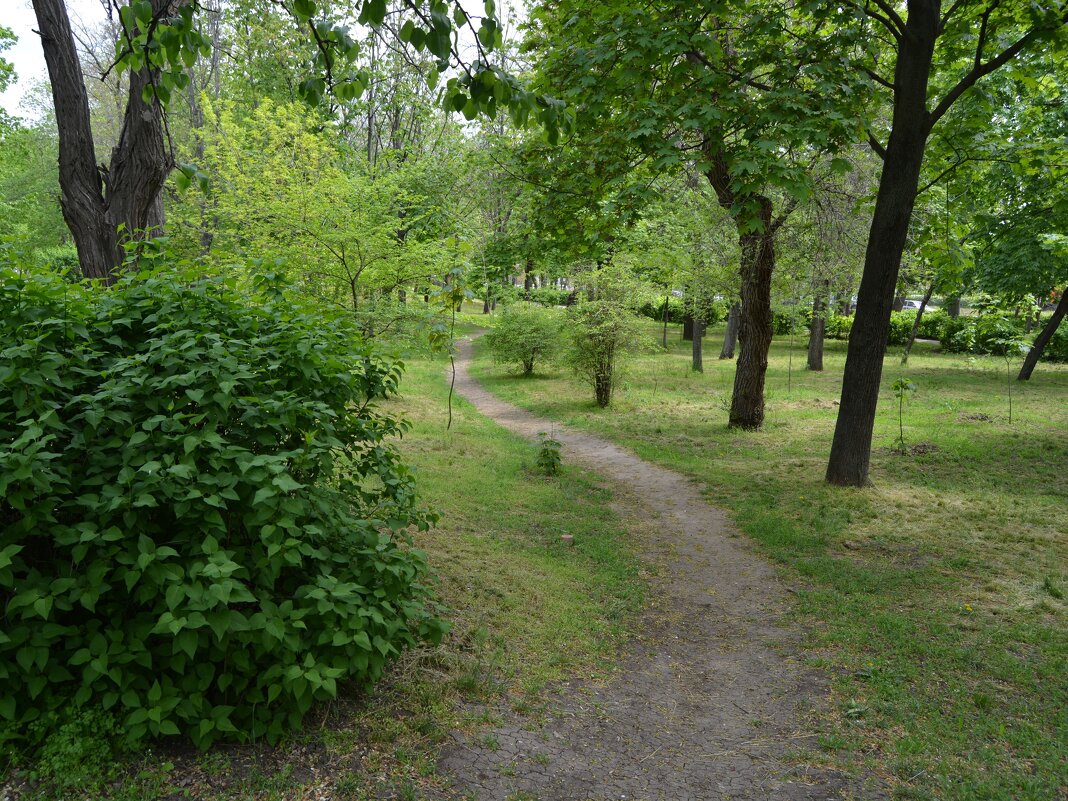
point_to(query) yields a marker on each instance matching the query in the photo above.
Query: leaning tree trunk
(1043, 338)
(96, 204)
(816, 333)
(851, 448)
(698, 346)
(916, 324)
(730, 336)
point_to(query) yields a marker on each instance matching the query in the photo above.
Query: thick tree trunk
(1043, 338)
(687, 328)
(754, 324)
(816, 333)
(95, 205)
(730, 337)
(698, 343)
(851, 448)
(916, 324)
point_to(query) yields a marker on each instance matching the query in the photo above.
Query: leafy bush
(838, 326)
(525, 334)
(548, 296)
(654, 309)
(203, 524)
(601, 332)
(797, 318)
(1056, 349)
(987, 334)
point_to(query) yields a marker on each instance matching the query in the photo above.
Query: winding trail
(706, 703)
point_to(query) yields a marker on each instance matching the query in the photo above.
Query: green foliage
(601, 331)
(1056, 349)
(548, 296)
(78, 748)
(839, 326)
(203, 524)
(985, 334)
(549, 460)
(525, 334)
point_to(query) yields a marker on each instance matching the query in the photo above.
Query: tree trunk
(851, 448)
(667, 297)
(754, 323)
(1043, 338)
(899, 302)
(730, 337)
(916, 324)
(816, 333)
(953, 307)
(687, 328)
(486, 302)
(698, 342)
(94, 204)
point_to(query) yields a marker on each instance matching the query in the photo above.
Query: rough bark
(687, 328)
(1043, 338)
(916, 324)
(754, 323)
(816, 333)
(96, 202)
(698, 341)
(730, 337)
(851, 448)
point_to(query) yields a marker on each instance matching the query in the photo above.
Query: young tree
(936, 52)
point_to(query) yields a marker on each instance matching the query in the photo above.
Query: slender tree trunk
(953, 307)
(95, 204)
(899, 302)
(916, 323)
(730, 337)
(667, 297)
(851, 448)
(698, 345)
(1043, 338)
(816, 332)
(486, 302)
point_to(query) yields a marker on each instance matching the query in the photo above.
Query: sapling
(1011, 346)
(903, 388)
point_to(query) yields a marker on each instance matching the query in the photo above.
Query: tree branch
(877, 146)
(980, 69)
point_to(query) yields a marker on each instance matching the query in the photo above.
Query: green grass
(526, 610)
(937, 598)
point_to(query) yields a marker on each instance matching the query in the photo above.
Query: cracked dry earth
(708, 701)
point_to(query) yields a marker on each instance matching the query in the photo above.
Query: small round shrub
(525, 334)
(203, 521)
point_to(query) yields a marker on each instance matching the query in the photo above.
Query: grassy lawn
(938, 599)
(526, 610)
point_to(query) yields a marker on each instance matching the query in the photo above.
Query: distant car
(910, 305)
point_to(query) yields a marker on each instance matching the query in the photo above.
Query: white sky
(26, 54)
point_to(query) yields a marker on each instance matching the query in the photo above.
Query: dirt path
(707, 702)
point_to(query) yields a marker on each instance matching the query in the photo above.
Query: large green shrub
(525, 334)
(202, 518)
(1056, 349)
(986, 334)
(601, 332)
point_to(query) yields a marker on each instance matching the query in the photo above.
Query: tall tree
(937, 56)
(736, 86)
(160, 40)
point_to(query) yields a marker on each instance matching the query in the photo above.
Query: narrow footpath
(708, 702)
